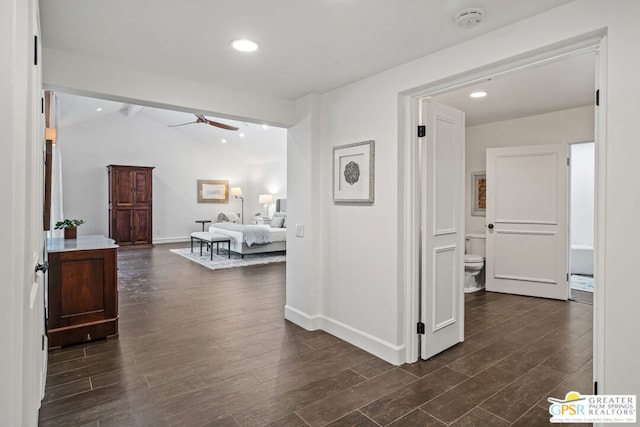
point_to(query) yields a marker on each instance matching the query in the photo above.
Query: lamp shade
(265, 198)
(50, 134)
(236, 191)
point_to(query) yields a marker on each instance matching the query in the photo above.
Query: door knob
(42, 267)
(490, 226)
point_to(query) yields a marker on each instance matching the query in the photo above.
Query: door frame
(409, 206)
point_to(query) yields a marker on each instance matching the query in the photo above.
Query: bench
(210, 239)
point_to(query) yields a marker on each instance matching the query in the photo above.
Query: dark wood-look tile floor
(211, 348)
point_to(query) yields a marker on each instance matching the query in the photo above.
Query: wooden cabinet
(130, 205)
(82, 290)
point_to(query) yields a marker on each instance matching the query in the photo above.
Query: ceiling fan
(202, 119)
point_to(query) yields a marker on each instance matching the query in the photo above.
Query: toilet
(474, 252)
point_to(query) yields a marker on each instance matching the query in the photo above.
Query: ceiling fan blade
(221, 125)
(202, 119)
(181, 124)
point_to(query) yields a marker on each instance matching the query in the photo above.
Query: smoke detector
(469, 18)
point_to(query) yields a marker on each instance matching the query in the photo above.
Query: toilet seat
(471, 258)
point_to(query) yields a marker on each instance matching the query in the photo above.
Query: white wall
(266, 178)
(304, 260)
(552, 128)
(179, 161)
(362, 288)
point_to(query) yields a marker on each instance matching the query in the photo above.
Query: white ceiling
(307, 46)
(563, 84)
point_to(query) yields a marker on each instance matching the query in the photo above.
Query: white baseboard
(162, 240)
(394, 354)
(310, 323)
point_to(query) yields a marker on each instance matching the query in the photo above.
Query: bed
(254, 239)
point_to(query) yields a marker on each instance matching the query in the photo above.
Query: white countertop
(82, 243)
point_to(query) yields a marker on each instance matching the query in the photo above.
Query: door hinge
(422, 131)
(35, 50)
(420, 329)
(595, 388)
(568, 161)
(42, 104)
(597, 97)
(42, 342)
(567, 277)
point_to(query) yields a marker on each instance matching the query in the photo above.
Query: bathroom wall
(558, 127)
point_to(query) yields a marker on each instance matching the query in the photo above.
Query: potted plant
(69, 226)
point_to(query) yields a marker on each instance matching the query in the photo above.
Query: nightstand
(260, 220)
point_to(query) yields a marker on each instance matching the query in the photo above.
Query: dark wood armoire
(130, 205)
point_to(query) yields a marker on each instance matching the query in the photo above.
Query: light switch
(299, 230)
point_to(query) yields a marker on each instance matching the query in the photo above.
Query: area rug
(222, 260)
(582, 283)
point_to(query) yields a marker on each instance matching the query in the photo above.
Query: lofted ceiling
(258, 144)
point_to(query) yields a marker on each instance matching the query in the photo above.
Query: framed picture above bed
(213, 191)
(353, 173)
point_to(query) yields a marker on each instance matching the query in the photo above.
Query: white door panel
(442, 239)
(531, 180)
(513, 260)
(445, 278)
(527, 221)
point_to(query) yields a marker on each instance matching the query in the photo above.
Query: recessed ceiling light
(224, 141)
(479, 94)
(241, 135)
(245, 45)
(99, 109)
(265, 127)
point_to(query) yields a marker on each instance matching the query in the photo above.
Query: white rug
(222, 260)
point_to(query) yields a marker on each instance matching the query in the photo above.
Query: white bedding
(277, 234)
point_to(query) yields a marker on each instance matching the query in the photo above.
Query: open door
(527, 221)
(442, 236)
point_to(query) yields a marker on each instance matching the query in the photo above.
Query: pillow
(284, 223)
(277, 221)
(228, 217)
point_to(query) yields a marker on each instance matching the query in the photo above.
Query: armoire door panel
(141, 225)
(123, 185)
(123, 226)
(142, 188)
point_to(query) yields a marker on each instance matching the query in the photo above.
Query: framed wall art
(213, 191)
(478, 193)
(354, 173)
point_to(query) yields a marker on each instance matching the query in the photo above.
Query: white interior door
(527, 221)
(442, 240)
